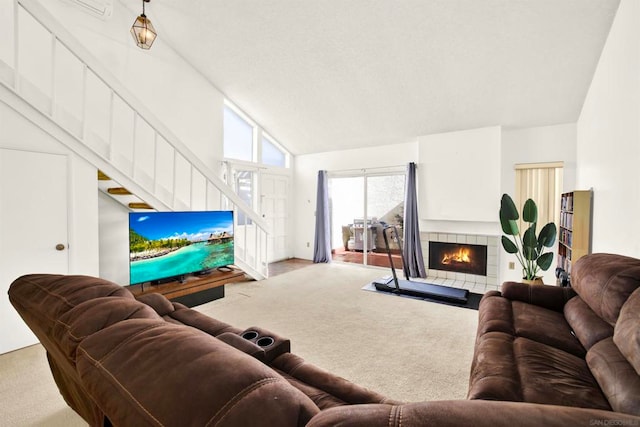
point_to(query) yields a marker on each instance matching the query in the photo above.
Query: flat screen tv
(168, 245)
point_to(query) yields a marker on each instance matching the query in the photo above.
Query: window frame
(279, 147)
(254, 134)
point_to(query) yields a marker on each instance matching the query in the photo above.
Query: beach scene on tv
(171, 244)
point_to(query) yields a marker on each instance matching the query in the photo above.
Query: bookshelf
(574, 233)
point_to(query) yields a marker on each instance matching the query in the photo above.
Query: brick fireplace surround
(472, 282)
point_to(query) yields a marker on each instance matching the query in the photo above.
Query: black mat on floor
(473, 300)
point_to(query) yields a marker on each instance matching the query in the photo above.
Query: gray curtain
(412, 248)
(322, 243)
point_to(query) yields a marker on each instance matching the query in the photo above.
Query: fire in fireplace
(458, 257)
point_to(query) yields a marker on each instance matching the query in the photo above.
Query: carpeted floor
(407, 349)
(404, 348)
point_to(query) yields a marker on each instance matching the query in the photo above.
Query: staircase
(152, 169)
(123, 196)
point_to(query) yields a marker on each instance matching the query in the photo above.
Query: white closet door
(33, 229)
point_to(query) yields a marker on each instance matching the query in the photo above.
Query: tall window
(239, 135)
(272, 153)
(541, 182)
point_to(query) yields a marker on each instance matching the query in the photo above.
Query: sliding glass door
(361, 206)
(385, 203)
(346, 205)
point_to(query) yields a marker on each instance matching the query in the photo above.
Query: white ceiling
(337, 74)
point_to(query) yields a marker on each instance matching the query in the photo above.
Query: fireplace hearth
(458, 257)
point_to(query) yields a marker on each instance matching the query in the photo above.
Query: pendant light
(142, 30)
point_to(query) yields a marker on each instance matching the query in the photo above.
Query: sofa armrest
(479, 413)
(550, 297)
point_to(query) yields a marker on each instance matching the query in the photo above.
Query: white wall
(305, 182)
(113, 235)
(608, 135)
(459, 176)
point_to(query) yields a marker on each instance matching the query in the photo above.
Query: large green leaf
(544, 262)
(530, 211)
(547, 235)
(529, 239)
(509, 226)
(509, 246)
(508, 209)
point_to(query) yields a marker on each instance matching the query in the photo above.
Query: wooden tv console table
(193, 290)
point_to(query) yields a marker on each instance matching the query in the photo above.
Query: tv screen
(166, 245)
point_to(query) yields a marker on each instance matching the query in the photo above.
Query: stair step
(102, 176)
(119, 191)
(139, 205)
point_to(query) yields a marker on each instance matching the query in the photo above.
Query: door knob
(59, 247)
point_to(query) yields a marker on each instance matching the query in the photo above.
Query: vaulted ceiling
(337, 74)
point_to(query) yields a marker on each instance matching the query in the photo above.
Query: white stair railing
(58, 83)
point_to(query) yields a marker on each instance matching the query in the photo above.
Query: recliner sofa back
(605, 317)
(112, 354)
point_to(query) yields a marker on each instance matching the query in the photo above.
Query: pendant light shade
(142, 30)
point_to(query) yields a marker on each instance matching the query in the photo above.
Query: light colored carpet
(406, 349)
(28, 394)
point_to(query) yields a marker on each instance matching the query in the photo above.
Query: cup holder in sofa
(250, 335)
(265, 342)
(272, 344)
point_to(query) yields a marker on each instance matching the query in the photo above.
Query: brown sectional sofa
(575, 346)
(544, 356)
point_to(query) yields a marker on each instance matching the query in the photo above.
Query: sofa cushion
(627, 331)
(605, 281)
(519, 369)
(323, 387)
(495, 314)
(552, 376)
(550, 297)
(94, 315)
(617, 378)
(494, 373)
(498, 314)
(158, 302)
(587, 326)
(149, 372)
(546, 327)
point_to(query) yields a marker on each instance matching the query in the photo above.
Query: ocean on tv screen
(169, 244)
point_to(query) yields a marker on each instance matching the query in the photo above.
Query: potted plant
(528, 248)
